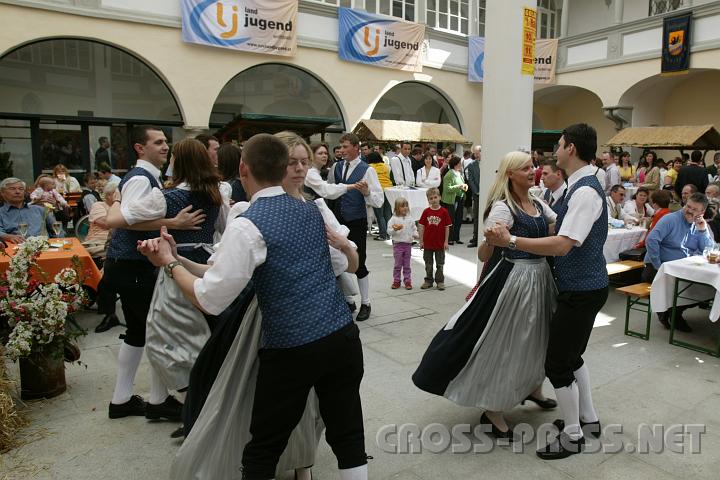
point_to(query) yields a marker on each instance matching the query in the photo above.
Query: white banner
(545, 59)
(379, 40)
(261, 26)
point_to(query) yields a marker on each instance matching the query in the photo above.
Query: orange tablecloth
(54, 261)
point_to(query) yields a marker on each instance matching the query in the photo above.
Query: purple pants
(401, 252)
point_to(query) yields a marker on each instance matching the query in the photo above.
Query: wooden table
(54, 260)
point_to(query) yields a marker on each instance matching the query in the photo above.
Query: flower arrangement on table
(35, 311)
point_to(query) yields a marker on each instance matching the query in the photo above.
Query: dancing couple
(491, 353)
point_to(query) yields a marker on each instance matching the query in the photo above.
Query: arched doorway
(72, 101)
(272, 97)
(416, 102)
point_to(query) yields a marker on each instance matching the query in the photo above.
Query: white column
(619, 8)
(507, 95)
(564, 18)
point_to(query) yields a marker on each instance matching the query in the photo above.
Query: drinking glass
(23, 228)
(57, 228)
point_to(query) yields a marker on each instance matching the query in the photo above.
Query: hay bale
(11, 418)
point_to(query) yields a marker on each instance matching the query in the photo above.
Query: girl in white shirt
(428, 176)
(402, 230)
(639, 208)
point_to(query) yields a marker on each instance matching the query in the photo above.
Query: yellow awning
(700, 137)
(399, 130)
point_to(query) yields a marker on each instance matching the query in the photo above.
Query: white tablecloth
(416, 197)
(619, 240)
(695, 269)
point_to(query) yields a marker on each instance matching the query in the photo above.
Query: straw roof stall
(699, 137)
(399, 130)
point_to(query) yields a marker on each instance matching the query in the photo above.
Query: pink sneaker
(395, 285)
(408, 286)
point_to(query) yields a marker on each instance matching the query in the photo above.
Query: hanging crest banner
(676, 45)
(476, 59)
(260, 26)
(379, 40)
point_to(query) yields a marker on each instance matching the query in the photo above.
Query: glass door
(64, 144)
(109, 146)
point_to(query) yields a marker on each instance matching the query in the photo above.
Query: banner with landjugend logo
(261, 26)
(476, 59)
(378, 40)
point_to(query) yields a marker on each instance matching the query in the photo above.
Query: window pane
(431, 19)
(443, 7)
(464, 10)
(442, 21)
(384, 7)
(454, 24)
(410, 13)
(454, 7)
(397, 9)
(464, 26)
(431, 4)
(370, 6)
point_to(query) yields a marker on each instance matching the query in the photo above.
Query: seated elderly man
(677, 235)
(712, 191)
(17, 211)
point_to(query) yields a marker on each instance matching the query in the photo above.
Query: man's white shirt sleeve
(241, 251)
(376, 197)
(584, 208)
(141, 202)
(323, 188)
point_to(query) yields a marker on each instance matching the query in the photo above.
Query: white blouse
(428, 180)
(630, 208)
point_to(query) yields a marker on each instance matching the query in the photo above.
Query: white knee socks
(364, 286)
(356, 473)
(568, 399)
(158, 390)
(587, 410)
(128, 361)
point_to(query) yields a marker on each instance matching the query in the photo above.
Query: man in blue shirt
(16, 211)
(677, 235)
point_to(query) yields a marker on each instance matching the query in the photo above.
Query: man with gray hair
(16, 212)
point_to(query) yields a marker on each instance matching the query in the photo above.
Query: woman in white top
(428, 176)
(639, 208)
(315, 185)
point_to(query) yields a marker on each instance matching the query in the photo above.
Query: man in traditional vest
(582, 283)
(308, 337)
(132, 276)
(351, 210)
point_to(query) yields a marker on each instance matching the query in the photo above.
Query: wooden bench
(623, 266)
(637, 294)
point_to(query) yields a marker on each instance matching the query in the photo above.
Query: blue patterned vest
(527, 226)
(123, 245)
(296, 289)
(177, 200)
(583, 268)
(351, 206)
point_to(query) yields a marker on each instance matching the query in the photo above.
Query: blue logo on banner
(197, 27)
(348, 43)
(476, 57)
(478, 66)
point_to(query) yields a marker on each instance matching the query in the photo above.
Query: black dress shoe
(472, 244)
(169, 409)
(495, 431)
(681, 324)
(562, 447)
(133, 407)
(178, 432)
(663, 317)
(352, 306)
(107, 323)
(451, 242)
(589, 428)
(364, 313)
(459, 242)
(546, 404)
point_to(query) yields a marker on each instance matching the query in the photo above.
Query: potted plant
(34, 310)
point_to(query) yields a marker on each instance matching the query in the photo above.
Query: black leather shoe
(682, 325)
(352, 306)
(472, 244)
(133, 407)
(589, 428)
(495, 431)
(178, 432)
(169, 409)
(562, 447)
(459, 242)
(663, 317)
(364, 313)
(107, 323)
(546, 404)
